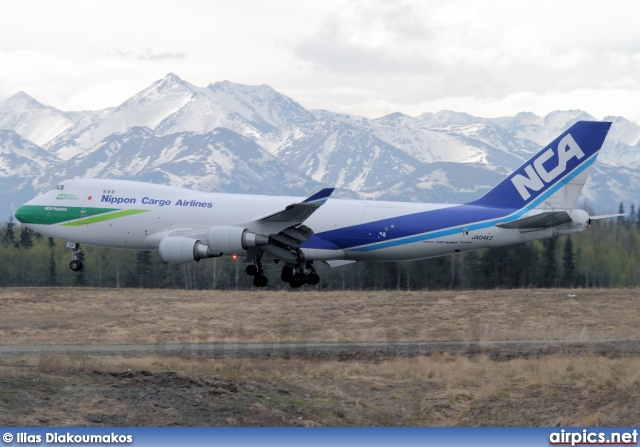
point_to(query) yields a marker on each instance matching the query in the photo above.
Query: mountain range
(239, 138)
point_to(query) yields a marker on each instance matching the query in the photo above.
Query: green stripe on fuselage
(72, 215)
(102, 218)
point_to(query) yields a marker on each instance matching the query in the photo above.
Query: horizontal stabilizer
(543, 220)
(338, 263)
(607, 216)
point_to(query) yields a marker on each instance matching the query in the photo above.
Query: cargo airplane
(535, 202)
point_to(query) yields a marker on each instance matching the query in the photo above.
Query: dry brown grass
(453, 390)
(437, 390)
(143, 316)
(441, 389)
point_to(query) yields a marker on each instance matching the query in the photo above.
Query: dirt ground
(436, 390)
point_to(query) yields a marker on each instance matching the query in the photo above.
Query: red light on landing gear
(234, 256)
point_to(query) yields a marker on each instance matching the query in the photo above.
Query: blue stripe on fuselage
(426, 225)
(403, 229)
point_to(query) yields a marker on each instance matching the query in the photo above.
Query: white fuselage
(133, 215)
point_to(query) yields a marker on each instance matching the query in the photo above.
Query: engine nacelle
(228, 240)
(178, 250)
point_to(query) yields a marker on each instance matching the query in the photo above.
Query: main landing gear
(259, 280)
(76, 258)
(297, 276)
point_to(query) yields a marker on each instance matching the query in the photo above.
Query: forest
(606, 255)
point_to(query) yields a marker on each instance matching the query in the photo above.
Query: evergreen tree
(621, 219)
(605, 256)
(568, 265)
(9, 236)
(524, 261)
(53, 279)
(143, 267)
(549, 264)
(26, 235)
(79, 278)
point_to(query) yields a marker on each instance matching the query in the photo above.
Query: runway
(496, 349)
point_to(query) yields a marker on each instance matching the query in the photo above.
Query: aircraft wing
(299, 212)
(285, 227)
(542, 220)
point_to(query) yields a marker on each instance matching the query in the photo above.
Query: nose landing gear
(76, 258)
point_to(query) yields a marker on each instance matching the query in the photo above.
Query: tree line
(606, 255)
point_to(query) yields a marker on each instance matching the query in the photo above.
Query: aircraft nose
(21, 214)
(25, 214)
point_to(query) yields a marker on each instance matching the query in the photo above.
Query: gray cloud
(147, 54)
(456, 49)
(375, 38)
(333, 55)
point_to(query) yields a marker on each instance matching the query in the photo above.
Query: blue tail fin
(554, 177)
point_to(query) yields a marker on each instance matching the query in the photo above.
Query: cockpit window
(60, 187)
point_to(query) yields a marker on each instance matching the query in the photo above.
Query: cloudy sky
(370, 58)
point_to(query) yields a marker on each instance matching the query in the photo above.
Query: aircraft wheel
(300, 278)
(75, 265)
(260, 281)
(296, 285)
(252, 270)
(313, 279)
(287, 274)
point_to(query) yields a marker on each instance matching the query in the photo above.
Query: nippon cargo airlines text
(113, 200)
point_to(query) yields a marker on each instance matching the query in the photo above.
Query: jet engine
(183, 249)
(228, 240)
(223, 240)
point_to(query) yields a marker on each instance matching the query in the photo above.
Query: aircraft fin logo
(538, 175)
(552, 170)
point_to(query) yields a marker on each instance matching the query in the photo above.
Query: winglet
(320, 197)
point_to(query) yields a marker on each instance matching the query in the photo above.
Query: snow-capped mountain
(22, 166)
(238, 138)
(219, 160)
(34, 121)
(265, 108)
(621, 146)
(336, 153)
(168, 105)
